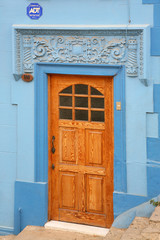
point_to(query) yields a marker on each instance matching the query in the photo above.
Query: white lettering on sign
(34, 10)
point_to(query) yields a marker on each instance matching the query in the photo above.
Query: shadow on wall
(126, 218)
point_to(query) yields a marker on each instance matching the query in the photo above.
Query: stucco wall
(17, 98)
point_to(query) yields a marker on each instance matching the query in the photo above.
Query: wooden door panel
(82, 217)
(81, 193)
(81, 149)
(94, 147)
(82, 169)
(95, 194)
(68, 190)
(67, 145)
(81, 184)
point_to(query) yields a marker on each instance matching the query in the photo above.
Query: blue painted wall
(153, 150)
(17, 98)
(31, 205)
(153, 140)
(155, 30)
(126, 202)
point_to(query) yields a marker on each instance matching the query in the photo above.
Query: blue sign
(34, 11)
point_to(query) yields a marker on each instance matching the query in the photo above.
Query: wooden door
(80, 117)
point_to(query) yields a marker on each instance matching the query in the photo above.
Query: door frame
(41, 115)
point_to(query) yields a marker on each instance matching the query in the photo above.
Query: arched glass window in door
(81, 102)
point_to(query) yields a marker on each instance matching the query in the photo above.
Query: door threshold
(74, 227)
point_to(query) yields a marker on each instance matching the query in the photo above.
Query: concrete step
(152, 231)
(155, 217)
(41, 233)
(7, 237)
(140, 229)
(115, 234)
(80, 228)
(135, 229)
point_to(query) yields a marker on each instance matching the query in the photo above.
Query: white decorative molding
(113, 46)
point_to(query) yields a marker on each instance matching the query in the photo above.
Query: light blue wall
(138, 102)
(152, 125)
(17, 98)
(8, 156)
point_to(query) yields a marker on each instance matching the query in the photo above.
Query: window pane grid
(97, 109)
(73, 98)
(89, 104)
(64, 107)
(80, 95)
(67, 90)
(65, 94)
(82, 108)
(82, 104)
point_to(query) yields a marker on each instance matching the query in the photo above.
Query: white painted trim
(83, 27)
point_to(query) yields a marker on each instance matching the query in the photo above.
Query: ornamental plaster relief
(111, 47)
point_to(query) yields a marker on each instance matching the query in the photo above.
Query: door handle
(53, 167)
(53, 148)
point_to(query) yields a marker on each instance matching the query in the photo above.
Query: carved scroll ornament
(103, 47)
